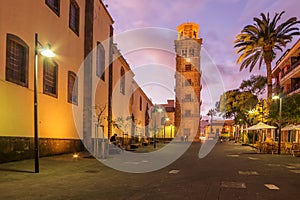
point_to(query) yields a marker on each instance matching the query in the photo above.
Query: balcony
(294, 66)
(294, 89)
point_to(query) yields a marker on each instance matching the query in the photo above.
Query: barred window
(72, 88)
(191, 52)
(74, 16)
(54, 5)
(141, 103)
(16, 60)
(50, 77)
(188, 82)
(188, 97)
(188, 67)
(122, 81)
(184, 52)
(100, 61)
(187, 113)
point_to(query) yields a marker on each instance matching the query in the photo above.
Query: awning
(260, 126)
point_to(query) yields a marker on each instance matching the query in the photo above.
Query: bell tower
(188, 80)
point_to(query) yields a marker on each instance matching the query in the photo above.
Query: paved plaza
(230, 171)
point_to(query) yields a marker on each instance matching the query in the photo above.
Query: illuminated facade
(79, 33)
(188, 79)
(287, 71)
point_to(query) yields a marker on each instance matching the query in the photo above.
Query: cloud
(220, 21)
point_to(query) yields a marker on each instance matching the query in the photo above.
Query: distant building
(220, 128)
(188, 80)
(167, 123)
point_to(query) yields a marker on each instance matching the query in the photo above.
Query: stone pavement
(60, 177)
(63, 177)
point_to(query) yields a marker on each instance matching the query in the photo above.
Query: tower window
(183, 52)
(188, 97)
(191, 52)
(188, 82)
(187, 113)
(16, 60)
(188, 67)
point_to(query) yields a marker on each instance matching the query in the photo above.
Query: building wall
(60, 123)
(287, 71)
(18, 113)
(138, 109)
(55, 118)
(101, 34)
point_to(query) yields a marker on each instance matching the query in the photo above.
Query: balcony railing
(292, 89)
(294, 66)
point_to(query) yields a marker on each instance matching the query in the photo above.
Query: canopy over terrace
(261, 126)
(291, 127)
(291, 133)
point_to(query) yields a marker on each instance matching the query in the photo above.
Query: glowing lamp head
(75, 155)
(47, 53)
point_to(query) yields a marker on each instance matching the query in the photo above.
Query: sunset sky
(220, 21)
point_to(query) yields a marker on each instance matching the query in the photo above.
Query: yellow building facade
(81, 77)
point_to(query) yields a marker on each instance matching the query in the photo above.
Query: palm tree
(259, 41)
(211, 113)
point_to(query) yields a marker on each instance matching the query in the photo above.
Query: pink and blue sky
(220, 21)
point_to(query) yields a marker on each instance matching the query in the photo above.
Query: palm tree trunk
(269, 81)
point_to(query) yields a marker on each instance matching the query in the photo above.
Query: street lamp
(280, 121)
(155, 110)
(38, 48)
(166, 119)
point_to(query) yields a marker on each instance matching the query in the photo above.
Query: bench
(134, 146)
(296, 150)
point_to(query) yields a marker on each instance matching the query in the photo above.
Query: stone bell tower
(188, 80)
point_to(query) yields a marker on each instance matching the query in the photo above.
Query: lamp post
(154, 134)
(280, 121)
(165, 121)
(46, 53)
(155, 110)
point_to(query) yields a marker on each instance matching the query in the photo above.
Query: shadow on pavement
(15, 170)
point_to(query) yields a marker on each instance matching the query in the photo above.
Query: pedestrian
(113, 139)
(185, 138)
(182, 138)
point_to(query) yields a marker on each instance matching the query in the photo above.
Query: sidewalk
(62, 177)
